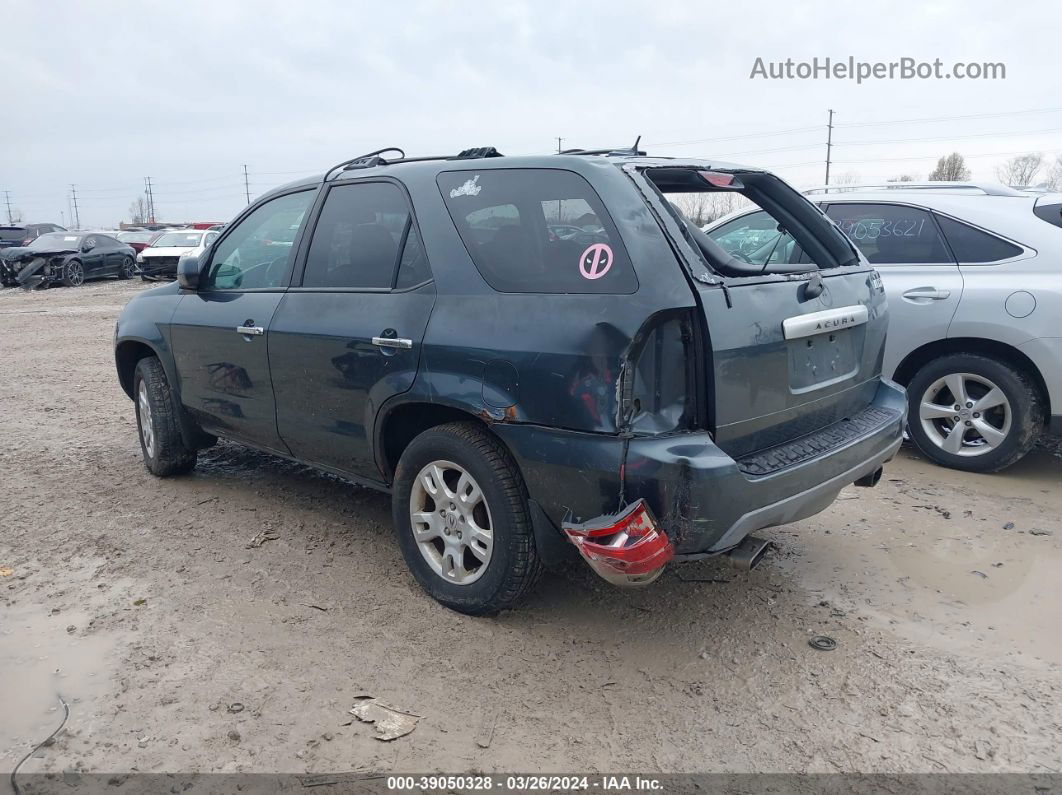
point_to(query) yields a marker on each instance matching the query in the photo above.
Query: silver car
(973, 274)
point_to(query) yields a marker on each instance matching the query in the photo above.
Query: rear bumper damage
(699, 499)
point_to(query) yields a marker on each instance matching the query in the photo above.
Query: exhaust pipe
(871, 480)
(748, 554)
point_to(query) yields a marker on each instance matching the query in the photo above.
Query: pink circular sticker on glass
(596, 261)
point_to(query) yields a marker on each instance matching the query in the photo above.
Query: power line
(829, 145)
(77, 215)
(150, 199)
(934, 119)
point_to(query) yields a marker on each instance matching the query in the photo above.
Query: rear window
(891, 234)
(973, 245)
(13, 233)
(537, 231)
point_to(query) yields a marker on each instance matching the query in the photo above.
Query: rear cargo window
(973, 245)
(781, 232)
(537, 231)
(758, 239)
(892, 234)
(13, 234)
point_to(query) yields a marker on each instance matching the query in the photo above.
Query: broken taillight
(626, 548)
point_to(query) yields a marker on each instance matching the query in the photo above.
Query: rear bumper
(700, 496)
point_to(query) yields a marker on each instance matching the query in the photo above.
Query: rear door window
(537, 231)
(892, 234)
(356, 241)
(973, 245)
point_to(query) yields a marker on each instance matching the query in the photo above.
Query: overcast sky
(103, 94)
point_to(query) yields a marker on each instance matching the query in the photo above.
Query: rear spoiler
(1049, 208)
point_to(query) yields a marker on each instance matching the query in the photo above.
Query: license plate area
(823, 359)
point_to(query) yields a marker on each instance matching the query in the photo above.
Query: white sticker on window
(470, 188)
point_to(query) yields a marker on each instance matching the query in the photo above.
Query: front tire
(161, 442)
(973, 412)
(127, 269)
(460, 512)
(74, 274)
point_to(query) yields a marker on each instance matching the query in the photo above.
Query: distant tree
(904, 178)
(705, 207)
(1022, 170)
(138, 211)
(950, 168)
(16, 215)
(1054, 176)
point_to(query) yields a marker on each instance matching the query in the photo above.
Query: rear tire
(127, 269)
(1000, 412)
(478, 472)
(161, 442)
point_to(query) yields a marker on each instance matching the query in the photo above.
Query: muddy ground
(180, 646)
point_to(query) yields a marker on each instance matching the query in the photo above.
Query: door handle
(932, 293)
(255, 331)
(392, 342)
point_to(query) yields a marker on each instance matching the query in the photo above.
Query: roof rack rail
(987, 188)
(371, 159)
(632, 151)
(367, 160)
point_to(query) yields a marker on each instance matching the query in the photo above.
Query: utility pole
(829, 146)
(77, 213)
(150, 199)
(7, 198)
(246, 184)
(559, 140)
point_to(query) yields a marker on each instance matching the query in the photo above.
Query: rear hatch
(795, 319)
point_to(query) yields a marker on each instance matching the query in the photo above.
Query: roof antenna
(635, 147)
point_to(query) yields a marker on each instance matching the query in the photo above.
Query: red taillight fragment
(625, 548)
(717, 179)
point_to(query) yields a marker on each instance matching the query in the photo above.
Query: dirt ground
(180, 646)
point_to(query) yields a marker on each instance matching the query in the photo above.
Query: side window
(757, 238)
(973, 245)
(357, 238)
(413, 267)
(257, 251)
(537, 231)
(891, 234)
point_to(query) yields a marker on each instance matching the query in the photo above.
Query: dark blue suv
(538, 357)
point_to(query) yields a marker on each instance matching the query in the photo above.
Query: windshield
(179, 240)
(135, 237)
(55, 241)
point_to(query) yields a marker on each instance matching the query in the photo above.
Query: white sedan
(160, 259)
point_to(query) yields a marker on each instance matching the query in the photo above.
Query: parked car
(972, 276)
(66, 258)
(641, 398)
(17, 235)
(159, 260)
(137, 239)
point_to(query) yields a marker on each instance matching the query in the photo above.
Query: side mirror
(189, 268)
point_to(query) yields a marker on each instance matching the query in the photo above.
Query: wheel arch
(400, 424)
(1009, 354)
(127, 354)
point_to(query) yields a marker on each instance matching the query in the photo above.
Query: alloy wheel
(965, 414)
(147, 429)
(451, 522)
(75, 274)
